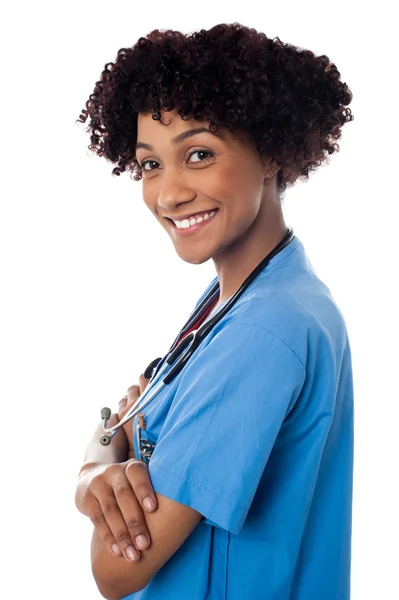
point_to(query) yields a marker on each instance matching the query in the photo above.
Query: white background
(92, 289)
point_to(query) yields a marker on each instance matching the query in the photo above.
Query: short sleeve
(220, 429)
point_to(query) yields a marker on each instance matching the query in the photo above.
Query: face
(199, 173)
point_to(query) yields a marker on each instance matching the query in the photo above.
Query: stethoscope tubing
(155, 386)
(189, 342)
(208, 325)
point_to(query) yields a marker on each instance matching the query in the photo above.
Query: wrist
(86, 474)
(115, 452)
(87, 466)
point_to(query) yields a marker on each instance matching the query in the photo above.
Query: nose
(173, 192)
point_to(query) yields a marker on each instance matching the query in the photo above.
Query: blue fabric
(256, 433)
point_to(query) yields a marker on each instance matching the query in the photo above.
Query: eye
(207, 152)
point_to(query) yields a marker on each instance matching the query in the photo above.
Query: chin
(194, 258)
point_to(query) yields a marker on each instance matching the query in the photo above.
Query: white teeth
(190, 222)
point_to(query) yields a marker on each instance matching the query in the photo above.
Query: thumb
(143, 382)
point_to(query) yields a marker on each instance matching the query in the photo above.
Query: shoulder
(290, 302)
(301, 312)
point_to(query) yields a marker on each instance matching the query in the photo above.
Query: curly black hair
(288, 101)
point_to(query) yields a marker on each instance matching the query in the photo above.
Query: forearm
(169, 527)
(115, 577)
(115, 452)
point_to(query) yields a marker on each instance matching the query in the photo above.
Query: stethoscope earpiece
(148, 372)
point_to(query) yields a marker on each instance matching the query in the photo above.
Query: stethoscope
(189, 343)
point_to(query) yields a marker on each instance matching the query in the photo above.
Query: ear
(270, 167)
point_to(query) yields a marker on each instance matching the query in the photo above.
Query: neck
(236, 263)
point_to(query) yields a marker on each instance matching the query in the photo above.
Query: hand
(133, 392)
(112, 496)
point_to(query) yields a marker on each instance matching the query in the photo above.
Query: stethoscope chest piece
(145, 447)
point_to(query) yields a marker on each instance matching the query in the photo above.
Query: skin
(111, 490)
(236, 180)
(239, 183)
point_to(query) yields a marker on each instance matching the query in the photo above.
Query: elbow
(115, 589)
(105, 587)
(114, 577)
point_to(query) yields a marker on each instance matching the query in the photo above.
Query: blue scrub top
(256, 433)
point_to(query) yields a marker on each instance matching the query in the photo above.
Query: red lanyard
(199, 321)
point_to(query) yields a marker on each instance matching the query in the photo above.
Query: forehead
(171, 119)
(172, 130)
(168, 127)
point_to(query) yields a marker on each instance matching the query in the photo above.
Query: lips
(187, 231)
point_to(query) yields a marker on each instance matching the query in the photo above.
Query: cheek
(149, 202)
(232, 183)
(221, 183)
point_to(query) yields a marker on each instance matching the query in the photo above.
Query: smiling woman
(252, 444)
(178, 188)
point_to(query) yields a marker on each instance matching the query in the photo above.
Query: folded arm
(169, 527)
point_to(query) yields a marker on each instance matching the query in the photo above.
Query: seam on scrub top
(234, 505)
(274, 335)
(285, 257)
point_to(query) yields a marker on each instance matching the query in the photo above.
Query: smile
(197, 226)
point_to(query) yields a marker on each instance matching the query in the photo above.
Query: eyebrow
(181, 137)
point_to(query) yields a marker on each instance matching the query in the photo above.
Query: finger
(129, 508)
(133, 515)
(123, 400)
(97, 518)
(143, 382)
(128, 400)
(133, 392)
(122, 404)
(139, 479)
(117, 525)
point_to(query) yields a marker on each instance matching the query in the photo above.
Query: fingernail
(131, 553)
(115, 549)
(141, 541)
(149, 503)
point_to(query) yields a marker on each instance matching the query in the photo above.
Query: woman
(250, 447)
